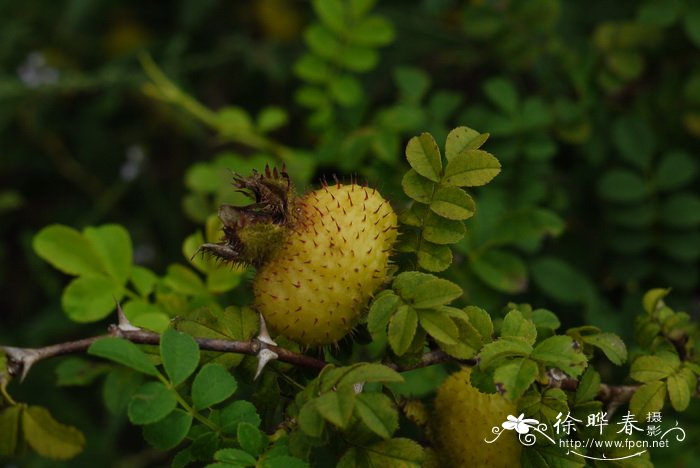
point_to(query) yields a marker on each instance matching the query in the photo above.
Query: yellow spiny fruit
(320, 257)
(320, 280)
(464, 417)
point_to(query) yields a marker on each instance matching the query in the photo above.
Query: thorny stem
(20, 360)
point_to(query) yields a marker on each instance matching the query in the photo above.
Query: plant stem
(190, 409)
(20, 360)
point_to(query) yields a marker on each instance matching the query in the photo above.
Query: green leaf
(414, 215)
(370, 372)
(322, 41)
(412, 83)
(336, 406)
(659, 13)
(9, 428)
(183, 280)
(204, 445)
(481, 320)
(502, 93)
(146, 315)
(560, 281)
(679, 390)
(439, 326)
(143, 279)
(402, 329)
(681, 210)
(396, 453)
(310, 420)
(439, 230)
(48, 437)
(495, 352)
(118, 388)
(691, 23)
(373, 31)
(90, 298)
(541, 456)
(180, 354)
(526, 226)
(469, 340)
(152, 402)
(67, 250)
(238, 323)
(359, 8)
(650, 368)
(558, 351)
(354, 457)
(517, 326)
(282, 461)
(516, 377)
(425, 291)
(311, 68)
(272, 118)
(636, 216)
(357, 59)
(424, 156)
(544, 319)
(417, 187)
(233, 119)
(311, 96)
(471, 168)
(452, 203)
(588, 386)
(237, 412)
(346, 90)
(612, 346)
(681, 246)
(463, 139)
(167, 433)
(500, 270)
(75, 371)
(378, 413)
(213, 384)
(622, 185)
(112, 244)
(675, 170)
(123, 352)
(380, 312)
(331, 13)
(648, 398)
(653, 299)
(405, 282)
(434, 257)
(634, 140)
(236, 457)
(251, 439)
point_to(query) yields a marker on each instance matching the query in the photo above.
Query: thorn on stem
(264, 335)
(264, 356)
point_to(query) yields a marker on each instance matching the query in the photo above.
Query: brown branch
(20, 360)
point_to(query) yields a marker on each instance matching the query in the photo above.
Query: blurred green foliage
(593, 109)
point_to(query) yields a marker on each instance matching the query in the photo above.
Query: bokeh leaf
(48, 437)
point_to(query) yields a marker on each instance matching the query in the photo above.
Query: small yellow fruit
(319, 281)
(319, 257)
(464, 417)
